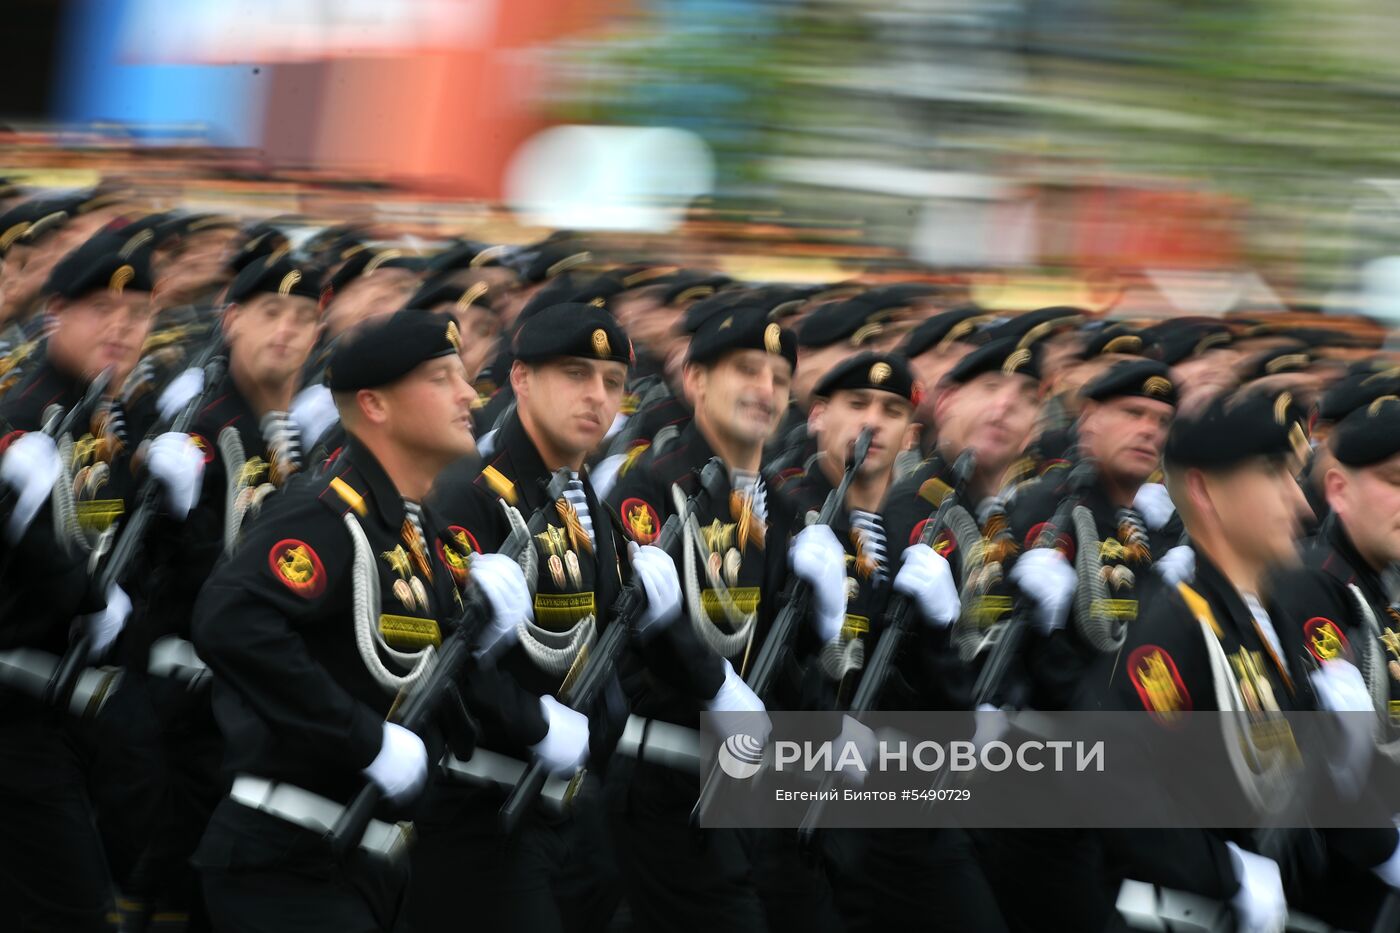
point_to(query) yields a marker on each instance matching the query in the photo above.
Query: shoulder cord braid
(1265, 781)
(231, 449)
(1091, 616)
(528, 560)
(1373, 669)
(968, 633)
(552, 652)
(724, 644)
(65, 509)
(368, 639)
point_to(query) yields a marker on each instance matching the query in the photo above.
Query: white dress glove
(657, 573)
(179, 392)
(401, 766)
(738, 708)
(30, 467)
(1389, 870)
(1048, 580)
(314, 412)
(819, 561)
(103, 627)
(1154, 504)
(1178, 565)
(178, 463)
(564, 747)
(1260, 906)
(502, 582)
(926, 578)
(1341, 688)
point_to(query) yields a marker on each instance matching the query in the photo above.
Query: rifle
(603, 660)
(133, 534)
(458, 647)
(898, 616)
(1006, 645)
(778, 645)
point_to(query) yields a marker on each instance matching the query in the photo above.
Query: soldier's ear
(372, 406)
(816, 416)
(1334, 485)
(519, 379)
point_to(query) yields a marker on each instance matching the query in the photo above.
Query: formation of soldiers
(316, 548)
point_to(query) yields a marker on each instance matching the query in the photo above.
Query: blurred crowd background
(1145, 157)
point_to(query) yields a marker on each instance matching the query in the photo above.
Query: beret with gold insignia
(385, 348)
(367, 261)
(1369, 434)
(1004, 355)
(107, 260)
(572, 330)
(1357, 389)
(856, 320)
(1122, 341)
(741, 328)
(948, 327)
(445, 292)
(1238, 426)
(1133, 379)
(278, 276)
(1289, 359)
(263, 238)
(550, 258)
(884, 372)
(1191, 338)
(1042, 322)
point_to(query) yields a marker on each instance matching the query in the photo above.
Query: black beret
(1290, 359)
(855, 320)
(460, 255)
(1120, 339)
(690, 285)
(546, 260)
(883, 372)
(1238, 426)
(279, 276)
(366, 261)
(572, 330)
(1133, 379)
(262, 239)
(741, 328)
(437, 292)
(106, 260)
(1368, 435)
(335, 243)
(385, 348)
(1042, 322)
(1003, 355)
(706, 308)
(15, 221)
(571, 288)
(1181, 343)
(1357, 389)
(947, 327)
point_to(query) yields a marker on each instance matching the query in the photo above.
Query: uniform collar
(387, 499)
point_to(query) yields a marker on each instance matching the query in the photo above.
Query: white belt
(175, 658)
(493, 769)
(316, 813)
(658, 742)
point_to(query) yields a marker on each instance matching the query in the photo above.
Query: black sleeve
(249, 624)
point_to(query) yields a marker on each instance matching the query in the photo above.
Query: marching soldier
(323, 615)
(251, 447)
(56, 863)
(1121, 429)
(567, 379)
(1225, 639)
(735, 558)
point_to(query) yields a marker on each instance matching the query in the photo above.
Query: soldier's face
(815, 362)
(479, 328)
(1126, 435)
(271, 336)
(101, 330)
(381, 292)
(429, 411)
(1202, 377)
(1259, 507)
(1367, 501)
(931, 367)
(743, 395)
(839, 421)
(992, 415)
(572, 401)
